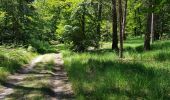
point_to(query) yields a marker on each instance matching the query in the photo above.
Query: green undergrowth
(101, 75)
(12, 59)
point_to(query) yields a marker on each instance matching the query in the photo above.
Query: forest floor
(102, 75)
(43, 79)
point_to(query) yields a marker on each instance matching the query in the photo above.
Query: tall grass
(11, 59)
(101, 75)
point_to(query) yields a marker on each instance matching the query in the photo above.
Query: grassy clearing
(101, 75)
(11, 59)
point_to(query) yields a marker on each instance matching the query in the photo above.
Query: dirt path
(43, 79)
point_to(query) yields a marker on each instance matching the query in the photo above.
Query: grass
(35, 85)
(101, 75)
(47, 62)
(98, 74)
(12, 59)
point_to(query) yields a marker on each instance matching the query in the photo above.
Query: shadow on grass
(44, 90)
(99, 79)
(134, 41)
(156, 46)
(162, 56)
(161, 45)
(102, 51)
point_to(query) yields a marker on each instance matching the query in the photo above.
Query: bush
(74, 37)
(41, 46)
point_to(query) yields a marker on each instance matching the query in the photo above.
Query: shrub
(41, 46)
(77, 40)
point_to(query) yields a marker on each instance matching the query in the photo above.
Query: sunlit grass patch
(101, 75)
(162, 56)
(12, 59)
(3, 73)
(45, 62)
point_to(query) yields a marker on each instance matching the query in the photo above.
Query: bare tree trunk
(135, 19)
(83, 20)
(157, 27)
(114, 27)
(148, 31)
(152, 27)
(99, 21)
(124, 20)
(140, 23)
(82, 48)
(121, 27)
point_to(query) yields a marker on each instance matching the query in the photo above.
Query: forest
(84, 50)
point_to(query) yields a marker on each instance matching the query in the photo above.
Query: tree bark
(148, 31)
(124, 20)
(83, 20)
(99, 20)
(82, 48)
(152, 26)
(114, 26)
(157, 28)
(140, 23)
(121, 27)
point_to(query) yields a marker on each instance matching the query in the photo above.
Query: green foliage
(74, 37)
(3, 73)
(42, 46)
(2, 15)
(80, 35)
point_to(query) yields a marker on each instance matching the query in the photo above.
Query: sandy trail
(31, 83)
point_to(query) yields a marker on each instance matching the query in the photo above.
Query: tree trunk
(121, 27)
(82, 48)
(114, 26)
(135, 20)
(83, 20)
(140, 23)
(152, 26)
(135, 31)
(148, 31)
(157, 27)
(124, 20)
(99, 21)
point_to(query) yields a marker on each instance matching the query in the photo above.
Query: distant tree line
(81, 24)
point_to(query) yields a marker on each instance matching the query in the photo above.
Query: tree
(124, 20)
(114, 26)
(99, 19)
(120, 28)
(148, 27)
(152, 23)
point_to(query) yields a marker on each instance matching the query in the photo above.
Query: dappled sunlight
(133, 80)
(139, 75)
(84, 50)
(44, 78)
